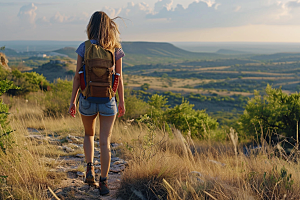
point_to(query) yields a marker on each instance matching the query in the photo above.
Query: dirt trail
(70, 169)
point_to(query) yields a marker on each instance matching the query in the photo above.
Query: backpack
(97, 74)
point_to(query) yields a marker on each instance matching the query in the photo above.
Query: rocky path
(70, 169)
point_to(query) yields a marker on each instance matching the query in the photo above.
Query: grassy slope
(54, 71)
(151, 53)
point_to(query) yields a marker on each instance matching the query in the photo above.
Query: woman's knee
(104, 145)
(89, 132)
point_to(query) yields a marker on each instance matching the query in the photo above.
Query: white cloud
(59, 18)
(27, 13)
(111, 12)
(136, 10)
(237, 8)
(42, 21)
(163, 4)
(293, 4)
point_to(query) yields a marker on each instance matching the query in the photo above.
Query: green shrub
(27, 82)
(57, 100)
(274, 112)
(186, 119)
(5, 130)
(145, 86)
(134, 106)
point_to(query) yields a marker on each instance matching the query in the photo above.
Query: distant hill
(139, 53)
(9, 52)
(161, 49)
(276, 56)
(231, 52)
(69, 51)
(151, 53)
(57, 69)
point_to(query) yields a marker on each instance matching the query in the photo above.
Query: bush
(27, 82)
(186, 119)
(134, 106)
(4, 127)
(145, 86)
(57, 100)
(274, 112)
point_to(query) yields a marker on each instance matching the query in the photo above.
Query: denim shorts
(87, 108)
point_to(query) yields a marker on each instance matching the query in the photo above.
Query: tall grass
(161, 165)
(214, 171)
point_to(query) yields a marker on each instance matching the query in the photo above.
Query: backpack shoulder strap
(88, 45)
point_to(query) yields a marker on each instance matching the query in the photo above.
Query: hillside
(231, 52)
(69, 51)
(57, 69)
(151, 53)
(277, 57)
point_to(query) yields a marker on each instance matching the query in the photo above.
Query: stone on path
(117, 168)
(80, 155)
(80, 174)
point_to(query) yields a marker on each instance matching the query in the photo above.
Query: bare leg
(106, 126)
(88, 144)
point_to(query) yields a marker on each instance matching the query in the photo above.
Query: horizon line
(260, 42)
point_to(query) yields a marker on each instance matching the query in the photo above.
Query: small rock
(115, 159)
(68, 149)
(117, 168)
(38, 138)
(80, 174)
(75, 146)
(97, 171)
(32, 130)
(97, 156)
(71, 139)
(60, 148)
(118, 162)
(61, 169)
(97, 166)
(80, 155)
(114, 145)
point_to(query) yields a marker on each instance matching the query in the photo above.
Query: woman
(102, 31)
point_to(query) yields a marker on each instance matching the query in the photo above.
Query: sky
(155, 20)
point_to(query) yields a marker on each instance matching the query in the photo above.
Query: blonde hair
(104, 30)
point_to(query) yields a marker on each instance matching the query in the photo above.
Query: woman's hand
(72, 109)
(121, 108)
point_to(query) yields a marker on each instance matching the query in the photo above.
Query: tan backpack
(98, 70)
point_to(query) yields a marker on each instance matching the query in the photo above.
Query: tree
(145, 86)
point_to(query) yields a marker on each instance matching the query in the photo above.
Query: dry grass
(161, 166)
(167, 171)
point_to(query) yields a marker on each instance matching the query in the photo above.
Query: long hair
(104, 30)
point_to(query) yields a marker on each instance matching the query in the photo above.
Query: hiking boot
(103, 189)
(90, 174)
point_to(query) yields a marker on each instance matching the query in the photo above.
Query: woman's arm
(120, 88)
(76, 84)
